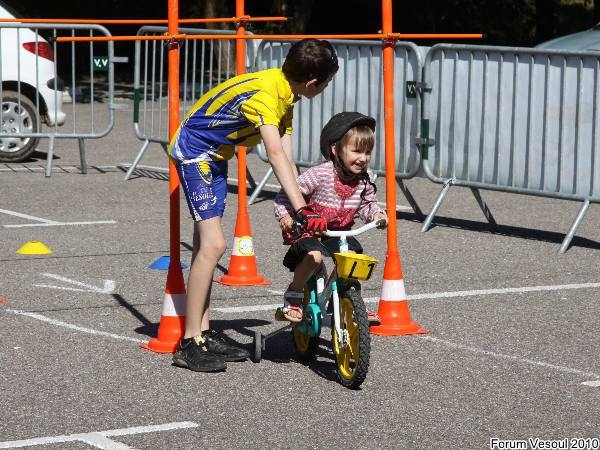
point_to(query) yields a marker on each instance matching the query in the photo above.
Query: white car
(584, 40)
(31, 90)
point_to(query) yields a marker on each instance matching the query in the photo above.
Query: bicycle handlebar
(381, 223)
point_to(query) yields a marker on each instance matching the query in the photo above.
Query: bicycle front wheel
(353, 348)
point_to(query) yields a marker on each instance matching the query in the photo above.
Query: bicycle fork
(341, 334)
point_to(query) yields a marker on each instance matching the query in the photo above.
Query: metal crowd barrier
(517, 120)
(204, 64)
(358, 86)
(76, 65)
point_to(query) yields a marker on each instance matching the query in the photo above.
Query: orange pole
(144, 21)
(172, 323)
(388, 121)
(240, 53)
(173, 61)
(279, 37)
(242, 269)
(393, 305)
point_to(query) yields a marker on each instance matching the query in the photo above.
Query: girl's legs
(303, 271)
(209, 247)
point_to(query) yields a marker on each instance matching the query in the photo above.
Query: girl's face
(354, 158)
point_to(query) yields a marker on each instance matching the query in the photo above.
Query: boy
(240, 111)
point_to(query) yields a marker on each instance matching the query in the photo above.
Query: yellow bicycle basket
(354, 266)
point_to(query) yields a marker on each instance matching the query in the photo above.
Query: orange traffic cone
(242, 266)
(172, 321)
(393, 305)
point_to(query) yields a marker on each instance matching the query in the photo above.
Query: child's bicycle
(335, 300)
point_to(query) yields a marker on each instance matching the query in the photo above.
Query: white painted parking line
(59, 224)
(73, 327)
(431, 296)
(99, 439)
(27, 216)
(46, 222)
(55, 168)
(501, 291)
(108, 288)
(563, 369)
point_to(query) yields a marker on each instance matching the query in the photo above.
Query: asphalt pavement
(511, 355)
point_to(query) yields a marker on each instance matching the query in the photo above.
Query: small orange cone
(393, 305)
(172, 321)
(242, 266)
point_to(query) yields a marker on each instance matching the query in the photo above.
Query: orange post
(172, 322)
(242, 269)
(393, 305)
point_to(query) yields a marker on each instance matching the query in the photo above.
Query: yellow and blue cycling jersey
(231, 114)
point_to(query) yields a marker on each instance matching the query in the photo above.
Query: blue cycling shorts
(204, 184)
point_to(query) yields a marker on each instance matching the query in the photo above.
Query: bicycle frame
(322, 287)
(330, 288)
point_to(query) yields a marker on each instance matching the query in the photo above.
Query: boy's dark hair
(310, 59)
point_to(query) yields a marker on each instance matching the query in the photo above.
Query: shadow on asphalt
(503, 230)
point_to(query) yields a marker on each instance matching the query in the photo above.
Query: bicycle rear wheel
(353, 351)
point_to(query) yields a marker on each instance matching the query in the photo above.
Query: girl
(336, 190)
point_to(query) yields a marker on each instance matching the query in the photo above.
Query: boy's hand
(310, 220)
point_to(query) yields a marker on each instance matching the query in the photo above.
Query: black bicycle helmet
(339, 125)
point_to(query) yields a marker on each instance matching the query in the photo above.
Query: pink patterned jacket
(333, 199)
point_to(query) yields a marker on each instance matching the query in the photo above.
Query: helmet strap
(342, 172)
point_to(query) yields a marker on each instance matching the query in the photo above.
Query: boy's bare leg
(209, 246)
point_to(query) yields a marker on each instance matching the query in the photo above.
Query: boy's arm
(286, 143)
(281, 164)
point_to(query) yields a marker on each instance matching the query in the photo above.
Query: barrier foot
(436, 206)
(49, 156)
(569, 237)
(484, 208)
(260, 186)
(82, 155)
(137, 159)
(410, 199)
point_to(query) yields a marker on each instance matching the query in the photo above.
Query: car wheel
(17, 117)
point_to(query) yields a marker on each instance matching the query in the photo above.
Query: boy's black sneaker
(193, 354)
(217, 345)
